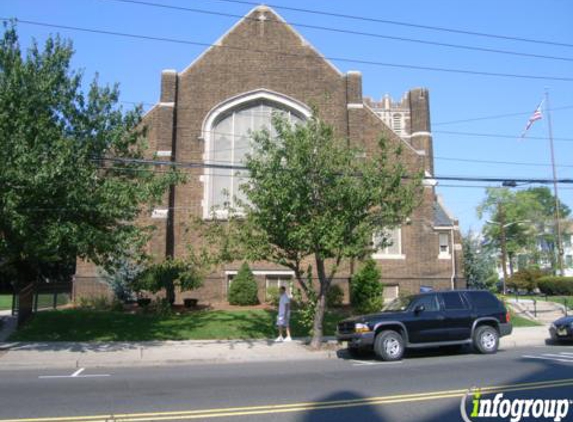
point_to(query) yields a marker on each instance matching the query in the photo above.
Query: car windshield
(398, 304)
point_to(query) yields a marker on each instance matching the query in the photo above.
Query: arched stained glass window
(229, 142)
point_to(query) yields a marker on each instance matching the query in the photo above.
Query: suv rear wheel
(389, 345)
(486, 339)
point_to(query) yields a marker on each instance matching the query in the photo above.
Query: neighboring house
(206, 112)
(545, 247)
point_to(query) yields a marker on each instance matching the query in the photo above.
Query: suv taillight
(507, 317)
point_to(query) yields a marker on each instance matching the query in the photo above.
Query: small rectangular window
(569, 260)
(275, 282)
(444, 244)
(388, 243)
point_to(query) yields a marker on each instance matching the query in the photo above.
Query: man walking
(284, 316)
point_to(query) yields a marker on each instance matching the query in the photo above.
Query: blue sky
(136, 66)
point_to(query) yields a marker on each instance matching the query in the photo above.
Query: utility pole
(501, 215)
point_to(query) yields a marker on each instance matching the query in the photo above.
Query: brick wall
(245, 61)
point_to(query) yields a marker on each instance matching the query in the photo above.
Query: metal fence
(36, 296)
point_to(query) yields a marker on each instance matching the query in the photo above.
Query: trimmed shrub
(244, 290)
(526, 279)
(335, 296)
(366, 289)
(552, 285)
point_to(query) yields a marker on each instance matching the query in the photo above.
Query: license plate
(562, 332)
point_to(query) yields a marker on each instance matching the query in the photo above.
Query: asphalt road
(426, 386)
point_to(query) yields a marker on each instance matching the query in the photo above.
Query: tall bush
(122, 276)
(526, 279)
(556, 285)
(366, 289)
(335, 296)
(244, 290)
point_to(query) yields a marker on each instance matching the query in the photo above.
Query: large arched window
(228, 131)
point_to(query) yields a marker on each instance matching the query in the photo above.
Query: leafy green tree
(366, 289)
(479, 263)
(312, 197)
(244, 289)
(510, 216)
(169, 275)
(60, 195)
(543, 219)
(528, 217)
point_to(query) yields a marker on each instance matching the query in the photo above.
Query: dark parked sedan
(562, 329)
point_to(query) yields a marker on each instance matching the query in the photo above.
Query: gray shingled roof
(441, 217)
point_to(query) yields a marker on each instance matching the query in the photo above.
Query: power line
(348, 31)
(519, 163)
(405, 24)
(497, 135)
(497, 116)
(239, 167)
(137, 103)
(284, 54)
(512, 163)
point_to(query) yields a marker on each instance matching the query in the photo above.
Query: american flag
(537, 115)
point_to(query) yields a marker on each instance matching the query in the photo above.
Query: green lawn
(5, 302)
(519, 321)
(89, 325)
(44, 301)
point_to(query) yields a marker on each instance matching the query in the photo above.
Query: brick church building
(206, 112)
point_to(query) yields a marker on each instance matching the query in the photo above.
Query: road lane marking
(298, 407)
(75, 375)
(79, 371)
(555, 357)
(369, 363)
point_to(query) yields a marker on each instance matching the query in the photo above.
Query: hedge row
(552, 285)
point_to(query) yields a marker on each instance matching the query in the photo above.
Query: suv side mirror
(419, 309)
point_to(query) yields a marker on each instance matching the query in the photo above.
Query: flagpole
(557, 210)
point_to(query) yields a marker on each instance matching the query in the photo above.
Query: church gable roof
(264, 31)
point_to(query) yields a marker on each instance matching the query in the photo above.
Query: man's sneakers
(280, 339)
(288, 338)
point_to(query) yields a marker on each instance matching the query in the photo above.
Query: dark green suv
(444, 318)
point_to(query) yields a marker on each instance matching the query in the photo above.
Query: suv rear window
(483, 300)
(453, 301)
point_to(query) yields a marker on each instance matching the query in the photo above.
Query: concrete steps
(540, 310)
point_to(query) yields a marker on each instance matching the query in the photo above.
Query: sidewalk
(111, 354)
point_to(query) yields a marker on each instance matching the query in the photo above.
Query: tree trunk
(170, 293)
(317, 329)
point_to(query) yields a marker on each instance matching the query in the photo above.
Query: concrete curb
(66, 355)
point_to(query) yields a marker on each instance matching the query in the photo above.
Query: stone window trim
(226, 107)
